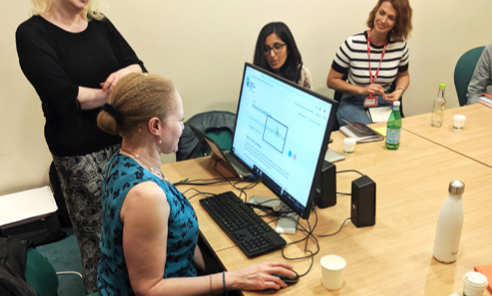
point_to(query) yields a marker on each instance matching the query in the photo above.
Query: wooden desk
(474, 141)
(394, 257)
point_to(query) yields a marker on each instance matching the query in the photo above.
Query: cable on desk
(350, 171)
(343, 193)
(198, 193)
(332, 234)
(306, 238)
(268, 211)
(252, 183)
(204, 182)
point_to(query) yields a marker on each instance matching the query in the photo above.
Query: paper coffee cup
(459, 122)
(474, 283)
(332, 267)
(349, 145)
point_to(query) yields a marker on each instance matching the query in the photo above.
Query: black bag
(38, 230)
(59, 199)
(12, 265)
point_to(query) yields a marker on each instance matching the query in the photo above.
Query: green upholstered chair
(41, 275)
(463, 72)
(217, 125)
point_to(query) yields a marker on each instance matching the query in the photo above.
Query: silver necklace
(152, 169)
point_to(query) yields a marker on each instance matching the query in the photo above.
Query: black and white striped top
(352, 58)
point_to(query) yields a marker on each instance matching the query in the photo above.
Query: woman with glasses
(276, 51)
(375, 62)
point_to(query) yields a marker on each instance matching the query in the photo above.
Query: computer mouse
(288, 279)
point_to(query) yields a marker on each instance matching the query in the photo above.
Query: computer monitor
(281, 135)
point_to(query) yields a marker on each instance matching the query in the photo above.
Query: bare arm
(402, 82)
(336, 82)
(145, 214)
(198, 259)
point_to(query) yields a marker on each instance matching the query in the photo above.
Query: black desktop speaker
(363, 211)
(326, 186)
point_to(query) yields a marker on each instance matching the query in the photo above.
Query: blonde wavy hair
(91, 11)
(137, 98)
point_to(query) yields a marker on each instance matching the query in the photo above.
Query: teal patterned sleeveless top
(124, 173)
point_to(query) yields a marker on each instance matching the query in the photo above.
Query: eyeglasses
(277, 48)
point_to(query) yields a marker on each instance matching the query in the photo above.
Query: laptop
(226, 159)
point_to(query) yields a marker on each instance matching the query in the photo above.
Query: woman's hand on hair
(113, 78)
(259, 276)
(373, 88)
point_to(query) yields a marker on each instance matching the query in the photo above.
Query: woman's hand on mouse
(259, 276)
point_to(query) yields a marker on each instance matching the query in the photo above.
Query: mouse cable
(306, 238)
(350, 171)
(332, 234)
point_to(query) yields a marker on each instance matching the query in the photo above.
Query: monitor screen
(281, 134)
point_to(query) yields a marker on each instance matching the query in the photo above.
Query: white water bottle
(449, 225)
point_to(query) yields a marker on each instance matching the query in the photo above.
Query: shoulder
(33, 25)
(305, 71)
(355, 42)
(488, 48)
(144, 199)
(104, 23)
(398, 44)
(357, 38)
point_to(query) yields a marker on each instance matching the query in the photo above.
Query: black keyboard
(253, 235)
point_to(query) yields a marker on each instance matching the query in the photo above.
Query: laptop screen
(281, 134)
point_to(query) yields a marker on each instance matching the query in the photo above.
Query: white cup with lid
(459, 122)
(474, 283)
(332, 267)
(349, 145)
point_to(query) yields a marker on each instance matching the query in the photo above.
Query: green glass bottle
(393, 129)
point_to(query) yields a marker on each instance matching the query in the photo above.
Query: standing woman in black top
(74, 56)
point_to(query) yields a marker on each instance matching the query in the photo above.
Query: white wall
(202, 46)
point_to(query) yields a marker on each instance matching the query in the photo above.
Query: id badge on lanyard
(371, 101)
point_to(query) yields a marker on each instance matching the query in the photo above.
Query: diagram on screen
(275, 134)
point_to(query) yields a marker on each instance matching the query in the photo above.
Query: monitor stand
(286, 224)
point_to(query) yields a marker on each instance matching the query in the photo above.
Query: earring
(160, 141)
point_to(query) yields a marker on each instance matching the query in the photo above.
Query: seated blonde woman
(150, 230)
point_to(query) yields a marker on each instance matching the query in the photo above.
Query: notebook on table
(379, 114)
(360, 132)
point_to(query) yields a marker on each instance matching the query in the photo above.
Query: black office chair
(218, 125)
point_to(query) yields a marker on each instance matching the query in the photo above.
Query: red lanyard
(371, 78)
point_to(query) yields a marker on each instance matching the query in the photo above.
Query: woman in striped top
(390, 23)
